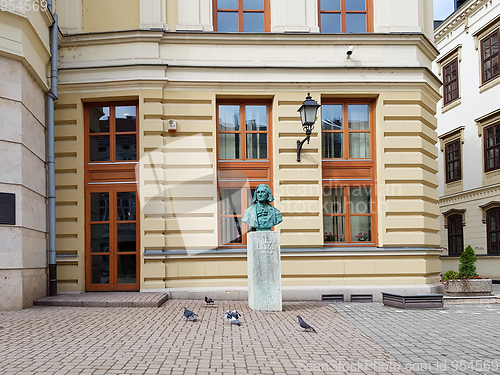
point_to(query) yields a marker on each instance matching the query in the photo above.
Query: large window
(241, 15)
(493, 230)
(450, 84)
(347, 131)
(347, 214)
(345, 16)
(112, 133)
(455, 235)
(492, 147)
(243, 162)
(453, 161)
(489, 56)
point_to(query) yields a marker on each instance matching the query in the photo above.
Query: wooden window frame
(496, 146)
(490, 58)
(455, 230)
(243, 173)
(493, 212)
(451, 162)
(448, 84)
(368, 11)
(241, 11)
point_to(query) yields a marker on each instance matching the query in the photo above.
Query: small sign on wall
(8, 208)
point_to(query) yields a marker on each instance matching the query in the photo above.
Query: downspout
(52, 96)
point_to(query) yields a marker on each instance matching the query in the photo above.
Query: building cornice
(468, 195)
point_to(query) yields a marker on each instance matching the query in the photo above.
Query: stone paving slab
(105, 299)
(117, 340)
(458, 339)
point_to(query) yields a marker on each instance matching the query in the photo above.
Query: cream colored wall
(109, 15)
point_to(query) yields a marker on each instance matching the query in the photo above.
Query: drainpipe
(52, 96)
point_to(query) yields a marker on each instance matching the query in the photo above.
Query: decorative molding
(454, 211)
(457, 133)
(486, 120)
(488, 206)
(474, 194)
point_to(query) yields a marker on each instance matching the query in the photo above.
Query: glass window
(492, 147)
(455, 235)
(453, 161)
(344, 16)
(242, 16)
(450, 81)
(493, 231)
(489, 56)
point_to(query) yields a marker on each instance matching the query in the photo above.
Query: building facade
(24, 59)
(170, 115)
(468, 121)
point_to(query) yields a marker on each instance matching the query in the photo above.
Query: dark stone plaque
(8, 208)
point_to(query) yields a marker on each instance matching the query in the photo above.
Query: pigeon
(236, 314)
(307, 327)
(235, 321)
(209, 300)
(190, 315)
(227, 315)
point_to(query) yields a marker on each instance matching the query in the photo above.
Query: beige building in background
(169, 115)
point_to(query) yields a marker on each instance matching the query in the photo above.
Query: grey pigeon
(307, 327)
(236, 314)
(235, 321)
(190, 315)
(228, 315)
(209, 300)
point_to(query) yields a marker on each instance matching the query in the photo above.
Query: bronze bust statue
(261, 215)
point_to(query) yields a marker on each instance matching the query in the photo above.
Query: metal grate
(332, 297)
(361, 297)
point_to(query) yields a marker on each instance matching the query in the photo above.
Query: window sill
(488, 85)
(451, 105)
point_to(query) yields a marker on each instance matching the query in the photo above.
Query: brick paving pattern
(459, 339)
(104, 299)
(96, 340)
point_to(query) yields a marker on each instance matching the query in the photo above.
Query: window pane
(126, 147)
(332, 145)
(227, 22)
(99, 269)
(230, 202)
(126, 269)
(231, 230)
(359, 145)
(361, 228)
(330, 4)
(256, 146)
(99, 120)
(253, 4)
(99, 149)
(494, 44)
(253, 22)
(99, 238)
(126, 237)
(227, 4)
(330, 23)
(334, 228)
(359, 117)
(99, 206)
(355, 4)
(355, 23)
(333, 200)
(494, 66)
(125, 205)
(256, 117)
(360, 200)
(229, 117)
(125, 118)
(331, 117)
(486, 48)
(229, 146)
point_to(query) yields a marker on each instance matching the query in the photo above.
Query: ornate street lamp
(308, 111)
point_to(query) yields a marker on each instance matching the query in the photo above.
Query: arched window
(493, 230)
(455, 235)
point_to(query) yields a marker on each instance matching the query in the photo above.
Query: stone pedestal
(264, 271)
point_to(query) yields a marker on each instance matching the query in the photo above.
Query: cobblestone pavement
(459, 339)
(96, 340)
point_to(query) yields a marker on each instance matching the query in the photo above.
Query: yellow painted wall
(110, 15)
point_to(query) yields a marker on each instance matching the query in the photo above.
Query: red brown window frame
(257, 171)
(343, 12)
(453, 161)
(490, 57)
(450, 84)
(493, 247)
(495, 147)
(353, 172)
(455, 233)
(240, 10)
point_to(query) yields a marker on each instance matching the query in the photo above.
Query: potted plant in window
(466, 282)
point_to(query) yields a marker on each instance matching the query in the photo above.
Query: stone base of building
(20, 287)
(304, 293)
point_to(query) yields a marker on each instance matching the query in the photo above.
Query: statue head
(262, 194)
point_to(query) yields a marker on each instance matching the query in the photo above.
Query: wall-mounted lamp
(349, 52)
(308, 111)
